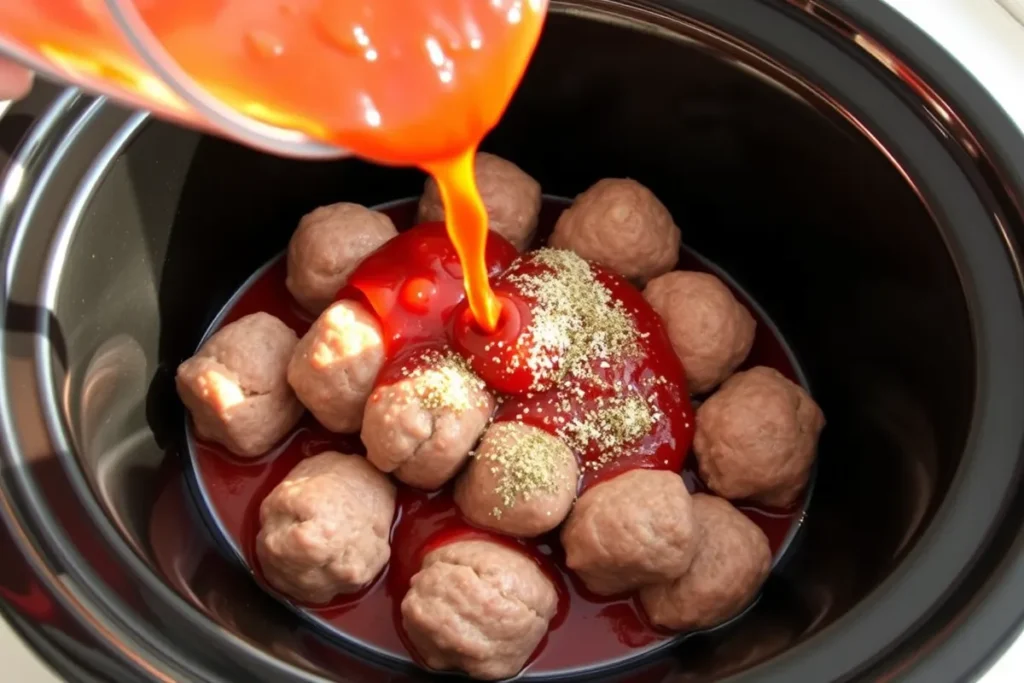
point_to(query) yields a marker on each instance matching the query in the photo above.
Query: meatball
(521, 481)
(478, 607)
(631, 531)
(423, 426)
(511, 197)
(620, 224)
(710, 330)
(236, 388)
(327, 246)
(336, 363)
(732, 561)
(324, 529)
(756, 438)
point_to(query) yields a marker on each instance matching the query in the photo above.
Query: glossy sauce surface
(652, 374)
(586, 624)
(415, 283)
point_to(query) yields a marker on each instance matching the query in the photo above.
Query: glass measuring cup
(107, 47)
(394, 81)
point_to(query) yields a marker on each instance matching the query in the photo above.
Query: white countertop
(983, 36)
(19, 663)
(986, 39)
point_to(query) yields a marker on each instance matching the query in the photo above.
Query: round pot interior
(839, 235)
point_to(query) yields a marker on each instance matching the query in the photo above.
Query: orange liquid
(404, 82)
(466, 220)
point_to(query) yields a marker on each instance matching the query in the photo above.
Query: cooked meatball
(324, 529)
(521, 481)
(327, 246)
(334, 366)
(756, 438)
(423, 426)
(236, 388)
(478, 607)
(620, 224)
(710, 330)
(511, 197)
(631, 531)
(732, 561)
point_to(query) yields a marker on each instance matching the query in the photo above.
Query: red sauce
(498, 357)
(414, 282)
(410, 298)
(653, 373)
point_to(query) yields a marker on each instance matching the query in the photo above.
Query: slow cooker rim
(968, 84)
(997, 164)
(76, 120)
(998, 618)
(30, 154)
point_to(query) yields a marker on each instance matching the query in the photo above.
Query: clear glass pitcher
(300, 78)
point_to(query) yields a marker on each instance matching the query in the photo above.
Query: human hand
(15, 80)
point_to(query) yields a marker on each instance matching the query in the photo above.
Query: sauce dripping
(415, 281)
(466, 219)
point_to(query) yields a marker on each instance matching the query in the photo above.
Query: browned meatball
(521, 481)
(631, 531)
(324, 529)
(710, 330)
(732, 561)
(478, 607)
(236, 388)
(620, 224)
(423, 426)
(512, 199)
(336, 363)
(327, 246)
(757, 436)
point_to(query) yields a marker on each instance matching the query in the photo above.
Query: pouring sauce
(394, 81)
(397, 82)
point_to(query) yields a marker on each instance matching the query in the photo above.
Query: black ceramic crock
(837, 163)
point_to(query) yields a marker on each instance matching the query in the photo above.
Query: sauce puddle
(586, 624)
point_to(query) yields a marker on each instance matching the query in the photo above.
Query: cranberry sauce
(414, 283)
(416, 296)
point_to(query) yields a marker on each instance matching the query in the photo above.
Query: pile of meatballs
(479, 606)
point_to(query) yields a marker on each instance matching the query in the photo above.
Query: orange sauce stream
(400, 82)
(466, 221)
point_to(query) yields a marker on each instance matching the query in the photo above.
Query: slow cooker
(835, 161)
